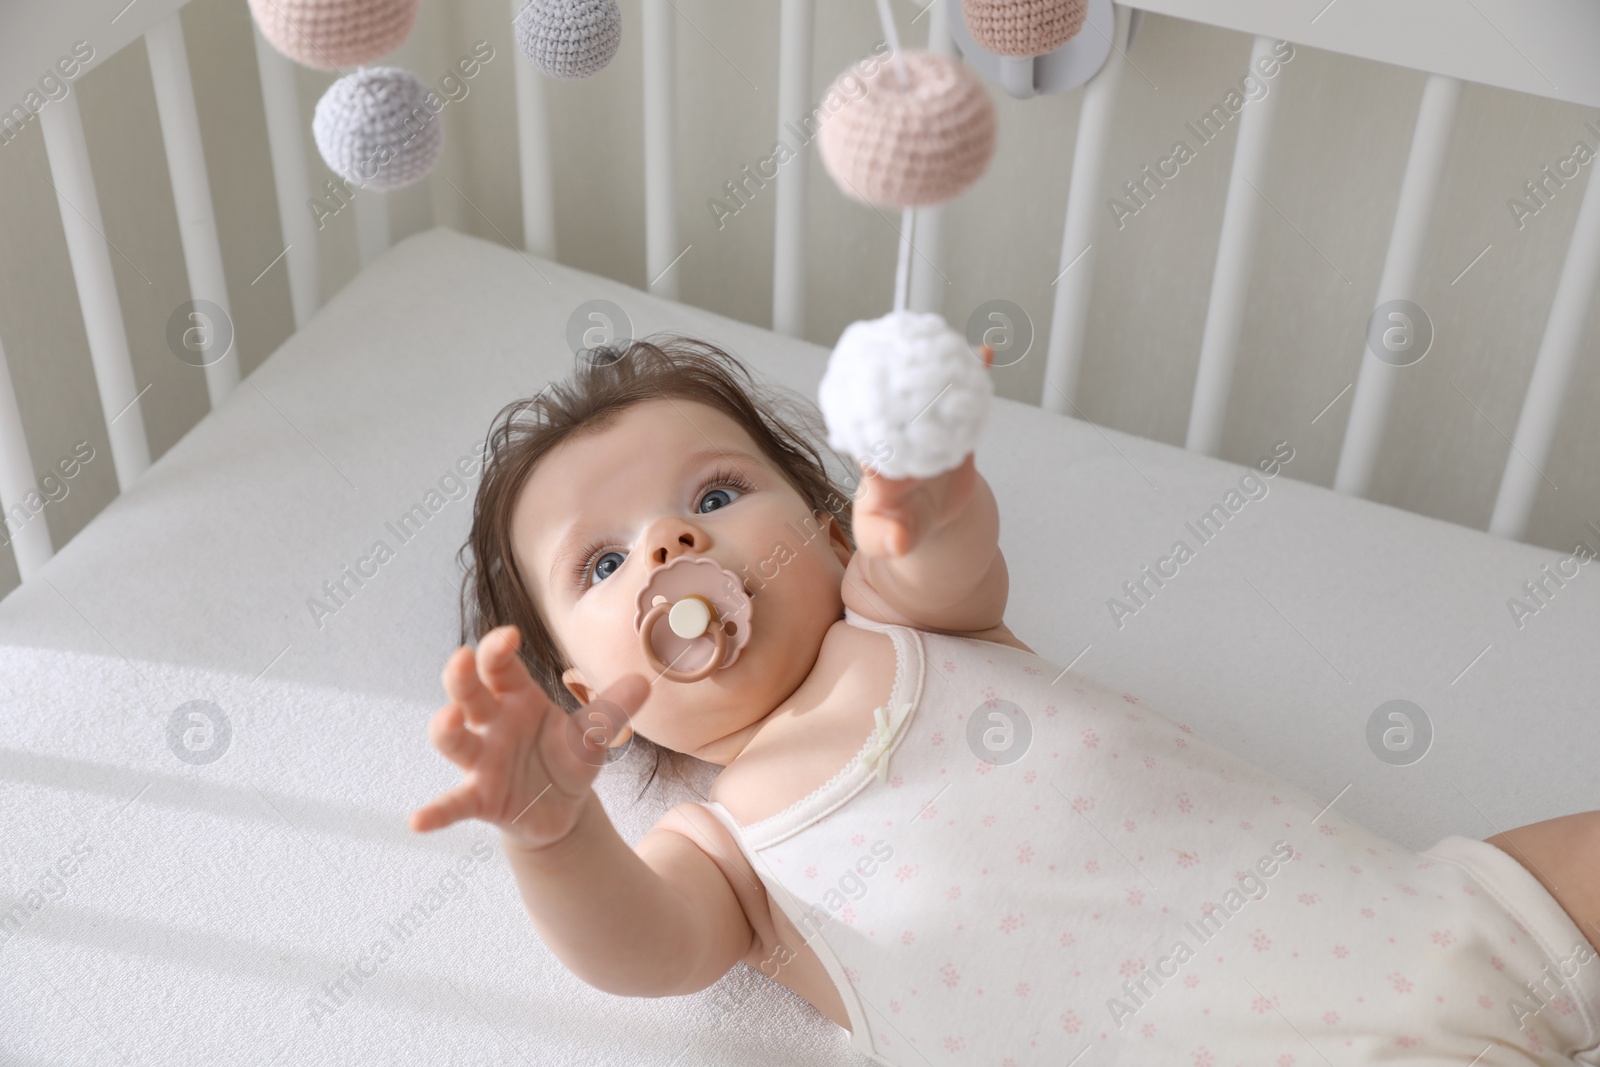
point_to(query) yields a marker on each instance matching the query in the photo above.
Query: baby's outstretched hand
(891, 515)
(528, 763)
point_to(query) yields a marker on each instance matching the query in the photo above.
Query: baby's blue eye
(602, 570)
(718, 501)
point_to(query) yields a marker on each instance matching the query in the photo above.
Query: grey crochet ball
(374, 128)
(569, 38)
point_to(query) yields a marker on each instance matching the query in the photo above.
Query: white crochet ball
(374, 128)
(907, 385)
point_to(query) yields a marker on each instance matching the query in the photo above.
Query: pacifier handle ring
(719, 641)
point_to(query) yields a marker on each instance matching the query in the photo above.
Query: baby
(953, 848)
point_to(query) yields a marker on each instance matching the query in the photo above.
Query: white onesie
(1086, 881)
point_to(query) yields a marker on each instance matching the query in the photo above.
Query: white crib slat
(1369, 409)
(1230, 280)
(27, 532)
(533, 152)
(796, 21)
(191, 189)
(1069, 312)
(90, 254)
(372, 224)
(281, 104)
(660, 200)
(1552, 371)
(928, 285)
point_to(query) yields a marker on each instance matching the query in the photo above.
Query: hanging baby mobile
(1029, 47)
(921, 133)
(906, 384)
(569, 38)
(376, 127)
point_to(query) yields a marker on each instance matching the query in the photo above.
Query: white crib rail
(1231, 277)
(795, 21)
(90, 253)
(1417, 37)
(30, 541)
(290, 178)
(1369, 410)
(533, 155)
(191, 195)
(1552, 370)
(660, 155)
(1069, 314)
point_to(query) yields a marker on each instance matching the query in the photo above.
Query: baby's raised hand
(890, 515)
(528, 763)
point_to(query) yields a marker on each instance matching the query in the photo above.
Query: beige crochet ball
(1023, 27)
(329, 34)
(908, 146)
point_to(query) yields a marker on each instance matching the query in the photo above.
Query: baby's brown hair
(608, 380)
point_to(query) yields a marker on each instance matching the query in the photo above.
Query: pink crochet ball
(327, 34)
(909, 145)
(1023, 27)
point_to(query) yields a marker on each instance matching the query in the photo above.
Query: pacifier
(693, 618)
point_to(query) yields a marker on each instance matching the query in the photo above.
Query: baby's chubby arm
(927, 551)
(658, 919)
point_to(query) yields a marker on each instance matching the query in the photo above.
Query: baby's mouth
(694, 610)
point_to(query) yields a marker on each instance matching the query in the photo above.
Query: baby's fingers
(449, 734)
(448, 807)
(463, 686)
(499, 665)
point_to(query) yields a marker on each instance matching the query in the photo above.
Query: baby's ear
(572, 678)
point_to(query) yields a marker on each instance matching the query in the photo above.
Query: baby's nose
(668, 538)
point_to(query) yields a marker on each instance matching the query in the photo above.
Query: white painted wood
(1230, 279)
(1552, 371)
(796, 20)
(533, 154)
(90, 254)
(929, 279)
(1069, 310)
(902, 270)
(372, 223)
(1016, 76)
(1544, 47)
(281, 104)
(1369, 409)
(663, 263)
(26, 531)
(191, 195)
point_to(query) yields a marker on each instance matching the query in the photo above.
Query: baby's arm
(656, 920)
(928, 552)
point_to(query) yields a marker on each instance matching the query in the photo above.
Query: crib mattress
(205, 776)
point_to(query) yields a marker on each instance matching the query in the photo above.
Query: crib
(214, 701)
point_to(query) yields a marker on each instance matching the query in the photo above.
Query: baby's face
(601, 512)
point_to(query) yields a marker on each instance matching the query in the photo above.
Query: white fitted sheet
(208, 904)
